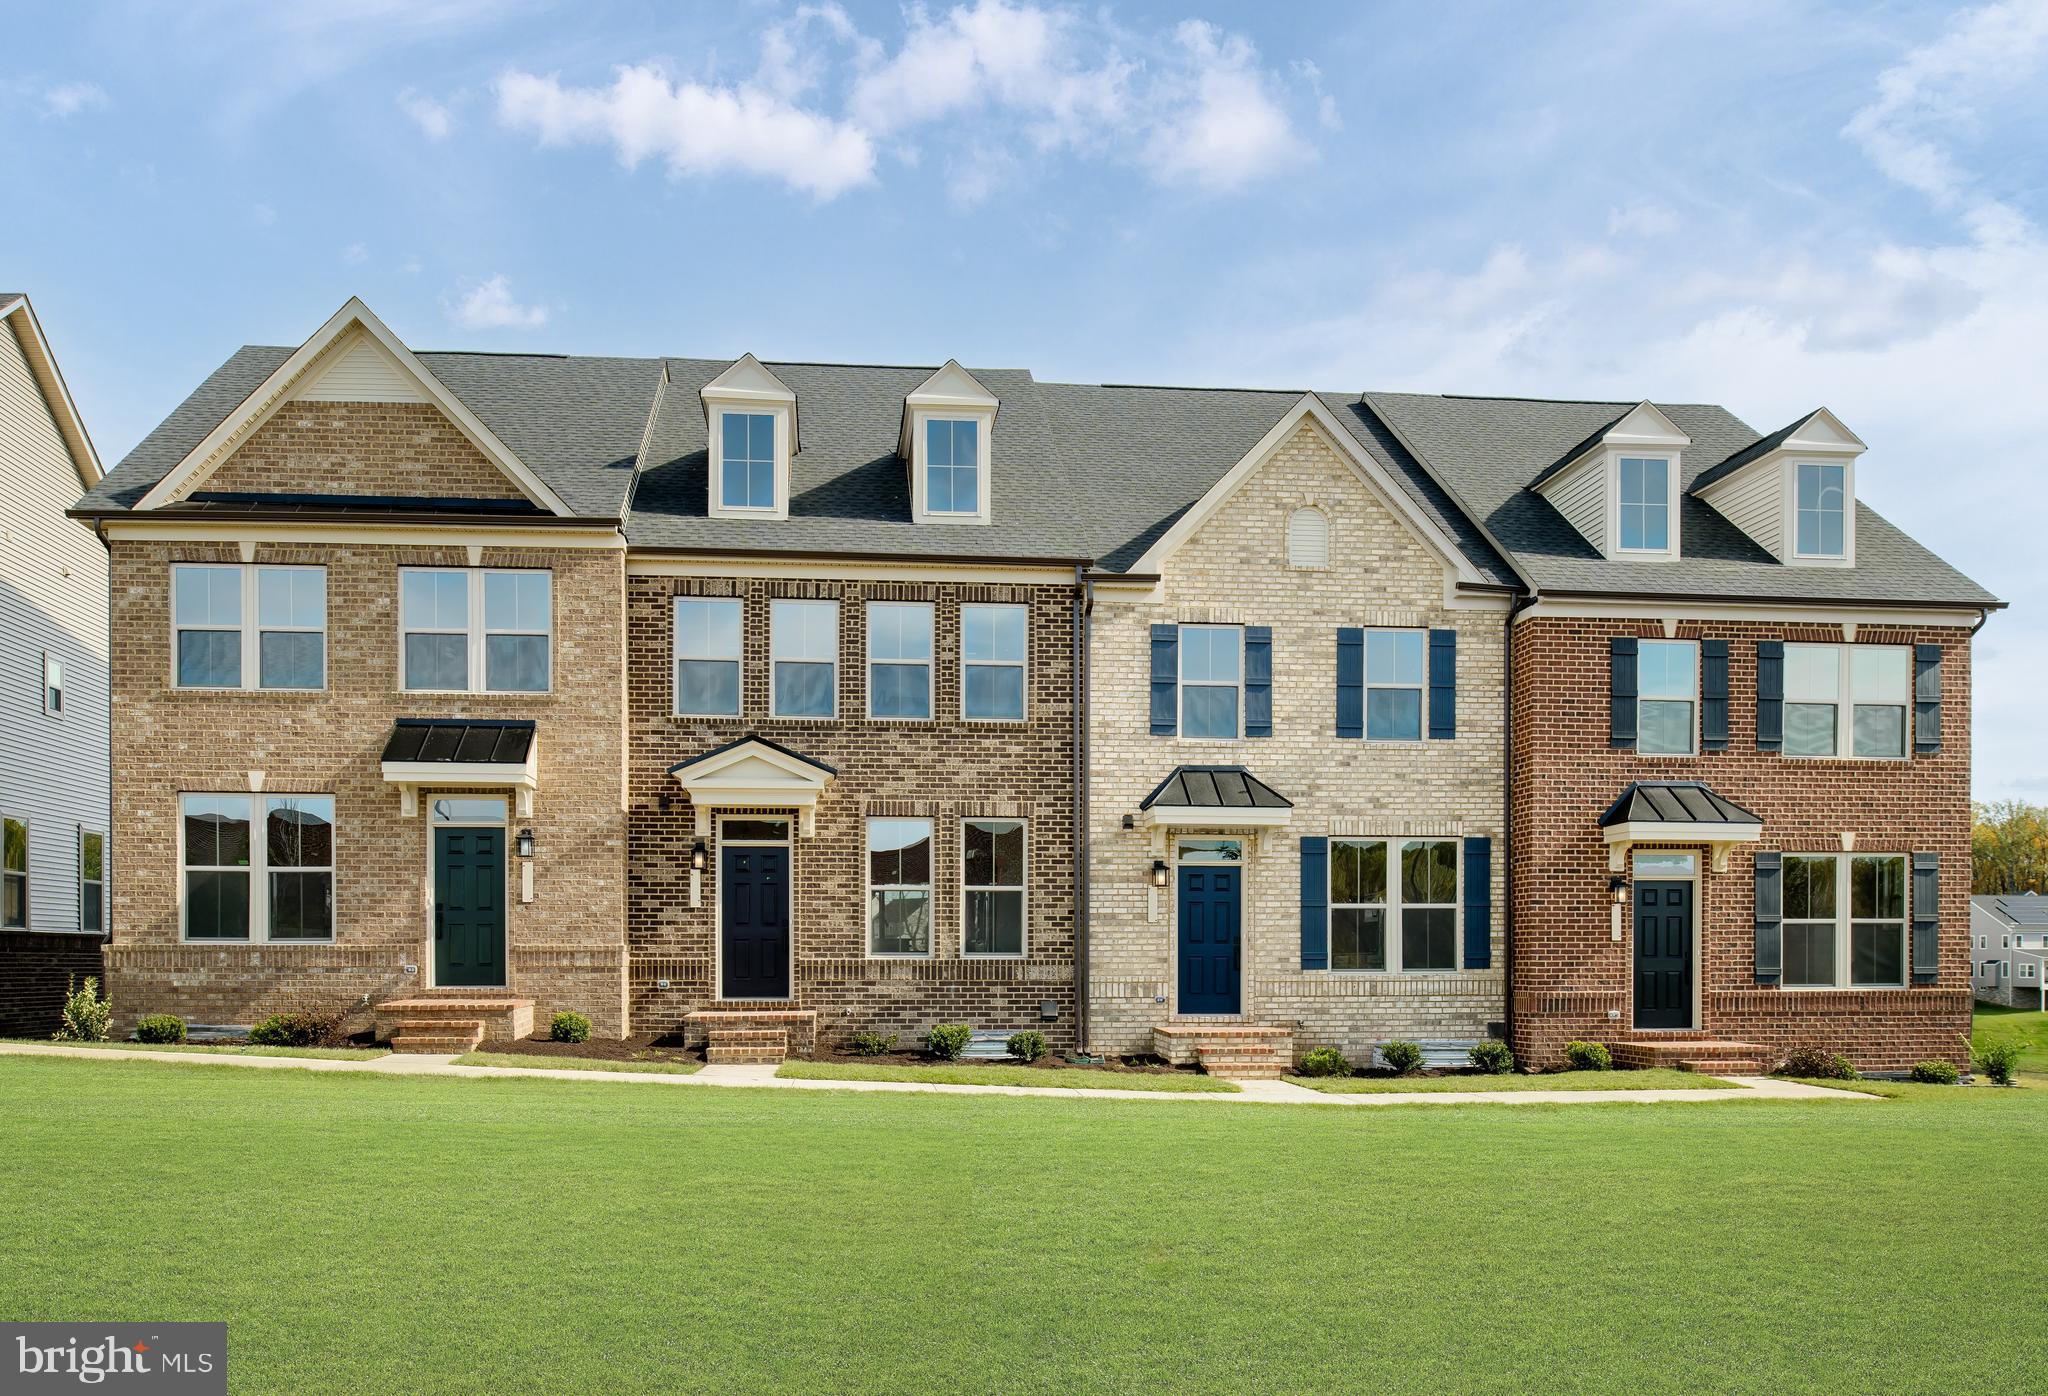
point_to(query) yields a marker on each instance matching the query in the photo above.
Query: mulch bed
(1147, 1066)
(648, 1047)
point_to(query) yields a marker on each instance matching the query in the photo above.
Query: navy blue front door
(1208, 916)
(1663, 954)
(753, 909)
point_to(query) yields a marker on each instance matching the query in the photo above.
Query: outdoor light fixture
(1130, 821)
(1158, 872)
(524, 843)
(697, 856)
(1617, 890)
(697, 861)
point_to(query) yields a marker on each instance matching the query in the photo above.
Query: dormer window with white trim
(1645, 504)
(1793, 492)
(750, 427)
(1619, 488)
(1821, 509)
(948, 426)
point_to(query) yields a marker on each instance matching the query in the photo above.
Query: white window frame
(930, 664)
(775, 605)
(53, 685)
(1846, 704)
(99, 882)
(24, 873)
(2026, 969)
(869, 887)
(1022, 663)
(984, 434)
(250, 628)
(1394, 905)
(1622, 506)
(259, 868)
(678, 656)
(1692, 743)
(1420, 688)
(1182, 683)
(778, 503)
(1022, 888)
(1845, 922)
(1848, 509)
(475, 633)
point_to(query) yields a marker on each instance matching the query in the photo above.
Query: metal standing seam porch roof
(1676, 811)
(1215, 795)
(465, 741)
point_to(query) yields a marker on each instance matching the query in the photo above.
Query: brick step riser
(434, 1046)
(741, 1056)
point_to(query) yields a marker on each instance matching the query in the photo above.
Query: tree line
(2009, 847)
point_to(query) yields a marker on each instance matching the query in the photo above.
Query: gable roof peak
(952, 386)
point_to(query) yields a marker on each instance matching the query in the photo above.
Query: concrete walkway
(1252, 1092)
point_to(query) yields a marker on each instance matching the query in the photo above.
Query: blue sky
(1765, 205)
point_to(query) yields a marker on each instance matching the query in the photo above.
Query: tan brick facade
(359, 448)
(1572, 980)
(1235, 569)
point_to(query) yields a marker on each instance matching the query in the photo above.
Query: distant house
(53, 687)
(2009, 948)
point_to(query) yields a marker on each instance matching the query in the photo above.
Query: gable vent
(361, 373)
(1308, 539)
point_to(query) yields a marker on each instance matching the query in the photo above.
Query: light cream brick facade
(1235, 569)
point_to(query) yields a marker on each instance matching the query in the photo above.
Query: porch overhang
(1676, 812)
(754, 773)
(1214, 797)
(427, 753)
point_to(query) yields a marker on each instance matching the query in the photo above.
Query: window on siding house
(1645, 504)
(278, 886)
(707, 632)
(464, 635)
(92, 881)
(14, 873)
(2026, 969)
(1823, 502)
(747, 468)
(1872, 724)
(952, 466)
(992, 877)
(803, 647)
(900, 659)
(1211, 680)
(1358, 904)
(899, 886)
(992, 645)
(1667, 687)
(53, 685)
(1393, 685)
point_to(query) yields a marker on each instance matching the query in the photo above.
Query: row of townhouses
(702, 695)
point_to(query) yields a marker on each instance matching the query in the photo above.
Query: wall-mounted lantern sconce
(1153, 887)
(697, 856)
(1617, 890)
(697, 862)
(1158, 872)
(663, 801)
(1130, 821)
(522, 844)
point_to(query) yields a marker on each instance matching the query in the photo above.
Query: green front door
(469, 907)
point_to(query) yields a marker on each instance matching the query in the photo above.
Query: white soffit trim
(1216, 817)
(411, 777)
(1369, 471)
(1646, 425)
(85, 457)
(1819, 433)
(274, 391)
(1820, 612)
(1718, 838)
(848, 569)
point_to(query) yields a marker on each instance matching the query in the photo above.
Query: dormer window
(1619, 487)
(948, 423)
(1645, 504)
(750, 427)
(1793, 492)
(1822, 503)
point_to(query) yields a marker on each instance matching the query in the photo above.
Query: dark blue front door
(1208, 916)
(753, 908)
(1663, 954)
(469, 907)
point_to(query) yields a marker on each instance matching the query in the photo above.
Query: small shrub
(86, 1016)
(569, 1026)
(1840, 1068)
(1588, 1056)
(948, 1040)
(1492, 1057)
(1325, 1061)
(1403, 1057)
(1027, 1046)
(1994, 1059)
(1936, 1072)
(873, 1044)
(1817, 1063)
(295, 1029)
(160, 1027)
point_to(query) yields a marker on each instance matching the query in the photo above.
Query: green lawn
(972, 1074)
(1656, 1080)
(366, 1232)
(532, 1060)
(339, 1054)
(2024, 1026)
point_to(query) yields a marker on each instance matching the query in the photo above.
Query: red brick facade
(1569, 979)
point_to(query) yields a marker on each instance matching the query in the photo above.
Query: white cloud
(696, 129)
(434, 118)
(489, 306)
(64, 99)
(1225, 126)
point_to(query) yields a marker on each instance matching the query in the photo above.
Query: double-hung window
(747, 460)
(1645, 504)
(803, 645)
(707, 631)
(899, 886)
(1667, 687)
(214, 645)
(1877, 682)
(1211, 680)
(92, 881)
(53, 685)
(952, 466)
(14, 873)
(1822, 502)
(900, 659)
(1393, 904)
(1393, 685)
(467, 630)
(992, 878)
(270, 884)
(992, 663)
(1825, 949)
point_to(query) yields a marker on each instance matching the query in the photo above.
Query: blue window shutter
(1926, 699)
(1770, 917)
(1714, 695)
(1926, 909)
(1315, 902)
(1621, 690)
(1443, 684)
(1478, 903)
(1258, 681)
(1770, 695)
(1350, 681)
(1165, 679)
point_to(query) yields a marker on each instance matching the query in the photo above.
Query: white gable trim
(85, 457)
(274, 391)
(1369, 471)
(1646, 425)
(358, 370)
(751, 774)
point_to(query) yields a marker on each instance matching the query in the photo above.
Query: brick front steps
(1231, 1051)
(1710, 1056)
(452, 1021)
(751, 1036)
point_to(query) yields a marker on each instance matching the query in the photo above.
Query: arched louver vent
(1308, 539)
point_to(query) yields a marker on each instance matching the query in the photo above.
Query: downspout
(1507, 813)
(1084, 622)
